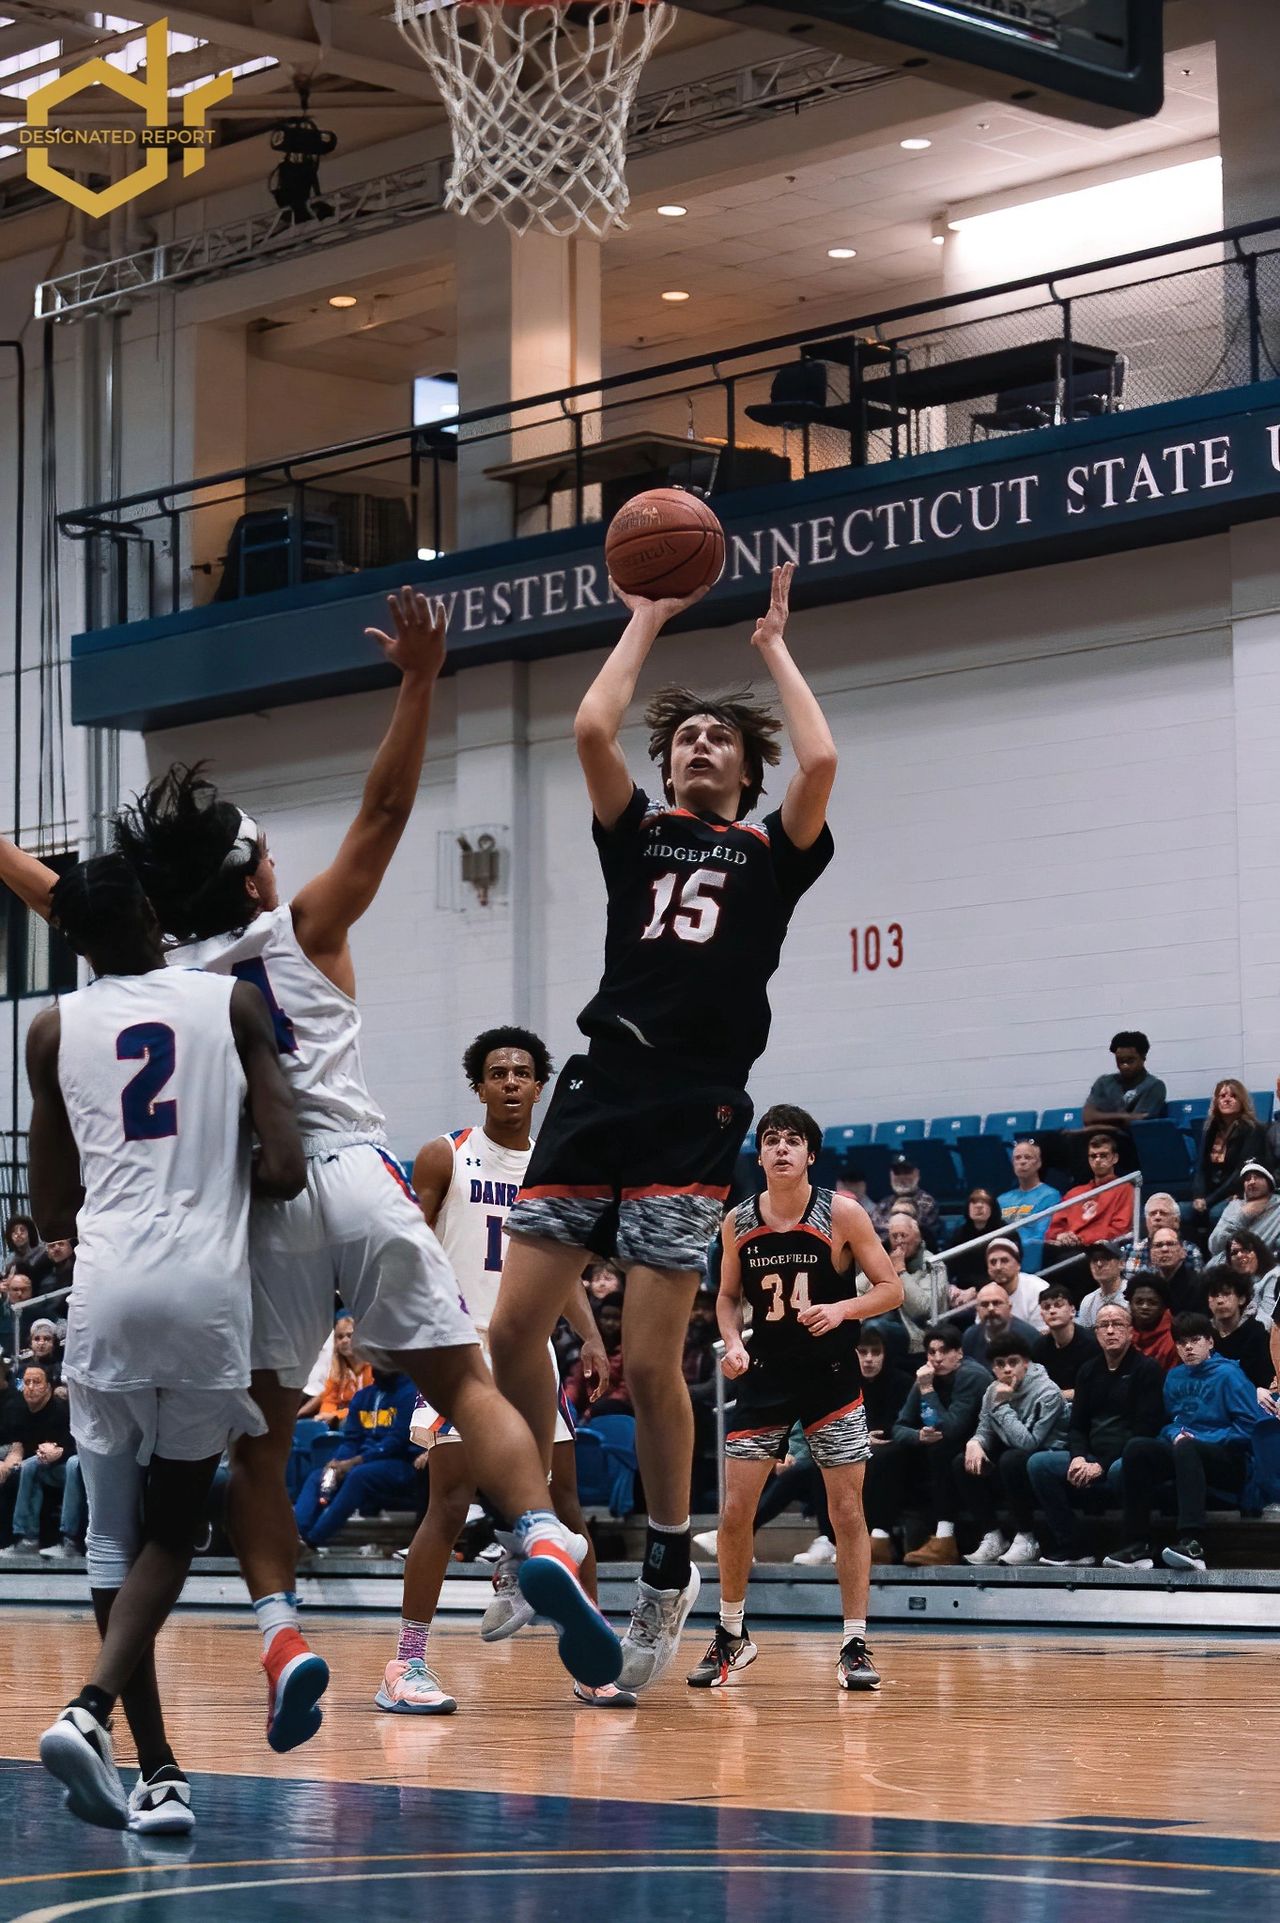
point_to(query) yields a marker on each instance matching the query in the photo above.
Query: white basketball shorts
(179, 1425)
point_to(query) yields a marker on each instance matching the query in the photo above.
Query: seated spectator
(886, 1384)
(616, 1400)
(1183, 1284)
(601, 1279)
(1152, 1322)
(1212, 1412)
(1119, 1394)
(1029, 1197)
(933, 1425)
(16, 1289)
(1131, 1093)
(1004, 1259)
(1256, 1208)
(24, 1249)
(347, 1373)
(698, 1362)
(41, 1453)
(924, 1285)
(62, 1267)
(1022, 1411)
(1085, 1218)
(43, 1347)
(1250, 1257)
(1236, 1334)
(374, 1469)
(1105, 1272)
(1065, 1347)
(904, 1186)
(967, 1273)
(993, 1315)
(1159, 1211)
(1231, 1138)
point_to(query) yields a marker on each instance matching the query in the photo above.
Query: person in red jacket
(1085, 1218)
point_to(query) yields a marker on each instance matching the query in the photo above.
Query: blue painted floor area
(269, 1851)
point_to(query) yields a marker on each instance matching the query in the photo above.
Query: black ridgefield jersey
(698, 909)
(785, 1271)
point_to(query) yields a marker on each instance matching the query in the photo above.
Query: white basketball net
(538, 97)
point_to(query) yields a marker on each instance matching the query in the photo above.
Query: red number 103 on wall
(871, 946)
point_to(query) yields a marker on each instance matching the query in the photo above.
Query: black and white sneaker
(855, 1670)
(77, 1750)
(1136, 1556)
(1186, 1553)
(160, 1805)
(726, 1654)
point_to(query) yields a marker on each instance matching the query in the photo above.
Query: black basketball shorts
(826, 1402)
(632, 1164)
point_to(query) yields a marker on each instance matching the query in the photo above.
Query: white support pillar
(491, 974)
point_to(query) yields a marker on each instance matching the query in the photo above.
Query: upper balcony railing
(1117, 333)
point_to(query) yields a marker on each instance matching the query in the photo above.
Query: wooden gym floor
(1005, 1776)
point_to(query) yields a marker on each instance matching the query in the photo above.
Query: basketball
(664, 544)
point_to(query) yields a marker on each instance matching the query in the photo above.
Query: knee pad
(113, 1488)
(175, 1502)
(109, 1558)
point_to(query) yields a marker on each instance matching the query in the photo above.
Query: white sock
(945, 1531)
(880, 1535)
(854, 1626)
(275, 1613)
(731, 1615)
(538, 1525)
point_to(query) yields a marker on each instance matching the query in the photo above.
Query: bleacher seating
(1062, 1118)
(1164, 1157)
(893, 1134)
(852, 1135)
(1009, 1126)
(1264, 1103)
(985, 1161)
(948, 1128)
(940, 1172)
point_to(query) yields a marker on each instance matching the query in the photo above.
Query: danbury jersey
(480, 1192)
(697, 912)
(155, 1095)
(783, 1272)
(317, 1027)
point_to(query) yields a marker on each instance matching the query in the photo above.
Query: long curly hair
(759, 727)
(180, 837)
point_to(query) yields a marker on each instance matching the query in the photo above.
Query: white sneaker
(990, 1549)
(63, 1551)
(1022, 1550)
(162, 1807)
(77, 1750)
(706, 1541)
(508, 1611)
(22, 1546)
(657, 1618)
(412, 1689)
(820, 1551)
(491, 1552)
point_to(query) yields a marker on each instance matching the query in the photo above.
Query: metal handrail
(1134, 1179)
(41, 1302)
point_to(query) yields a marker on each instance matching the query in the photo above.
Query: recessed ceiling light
(916, 145)
(675, 293)
(673, 210)
(842, 253)
(343, 300)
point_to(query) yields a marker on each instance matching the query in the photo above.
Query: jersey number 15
(696, 911)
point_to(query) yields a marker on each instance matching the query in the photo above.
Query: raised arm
(31, 881)
(279, 1166)
(603, 708)
(804, 807)
(54, 1173)
(325, 909)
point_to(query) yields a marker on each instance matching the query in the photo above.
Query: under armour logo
(577, 1084)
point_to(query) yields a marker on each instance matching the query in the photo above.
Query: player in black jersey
(793, 1253)
(636, 1153)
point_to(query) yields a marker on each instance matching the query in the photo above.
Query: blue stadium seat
(847, 1135)
(893, 1133)
(945, 1128)
(1190, 1113)
(871, 1162)
(1062, 1118)
(1009, 1126)
(1164, 1157)
(605, 1457)
(985, 1161)
(1264, 1103)
(940, 1174)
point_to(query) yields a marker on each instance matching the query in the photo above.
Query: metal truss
(695, 110)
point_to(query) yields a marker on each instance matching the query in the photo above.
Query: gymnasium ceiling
(762, 211)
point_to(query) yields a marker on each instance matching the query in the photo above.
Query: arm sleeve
(958, 1422)
(351, 1430)
(1046, 1417)
(985, 1428)
(1097, 1096)
(1077, 1442)
(796, 868)
(1152, 1100)
(1223, 1230)
(907, 1426)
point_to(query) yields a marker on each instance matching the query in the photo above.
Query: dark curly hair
(508, 1037)
(100, 908)
(180, 838)
(759, 727)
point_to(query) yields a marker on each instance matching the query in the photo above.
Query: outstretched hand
(417, 645)
(662, 611)
(772, 625)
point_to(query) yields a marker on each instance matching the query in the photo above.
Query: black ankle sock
(156, 1760)
(98, 1703)
(666, 1558)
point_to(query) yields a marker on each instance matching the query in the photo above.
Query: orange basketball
(664, 544)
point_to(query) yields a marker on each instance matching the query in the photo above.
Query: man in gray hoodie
(1022, 1411)
(1257, 1208)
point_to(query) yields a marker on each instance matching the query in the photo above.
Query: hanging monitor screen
(1094, 60)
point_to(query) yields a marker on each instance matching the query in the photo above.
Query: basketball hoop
(539, 94)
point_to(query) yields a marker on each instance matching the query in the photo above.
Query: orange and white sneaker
(589, 1649)
(411, 1689)
(610, 1697)
(296, 1680)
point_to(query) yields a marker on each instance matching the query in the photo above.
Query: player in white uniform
(357, 1226)
(466, 1182)
(139, 1139)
